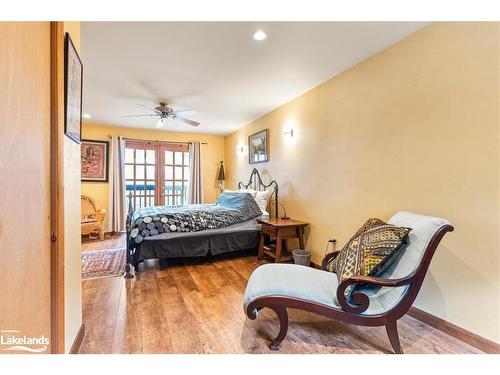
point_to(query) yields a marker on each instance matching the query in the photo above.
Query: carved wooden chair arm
(359, 301)
(328, 257)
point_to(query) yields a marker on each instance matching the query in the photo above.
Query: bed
(241, 236)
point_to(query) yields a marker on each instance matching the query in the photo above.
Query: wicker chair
(92, 218)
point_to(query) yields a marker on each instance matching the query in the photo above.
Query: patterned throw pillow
(370, 251)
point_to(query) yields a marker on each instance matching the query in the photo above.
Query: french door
(156, 173)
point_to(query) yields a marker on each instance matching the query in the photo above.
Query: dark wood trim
(328, 257)
(351, 311)
(451, 329)
(75, 348)
(57, 180)
(315, 265)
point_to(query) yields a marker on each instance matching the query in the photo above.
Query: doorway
(156, 173)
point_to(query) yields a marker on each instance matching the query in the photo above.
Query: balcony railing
(141, 195)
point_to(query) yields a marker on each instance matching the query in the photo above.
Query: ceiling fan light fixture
(161, 123)
(164, 112)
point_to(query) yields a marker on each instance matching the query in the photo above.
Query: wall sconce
(288, 133)
(240, 150)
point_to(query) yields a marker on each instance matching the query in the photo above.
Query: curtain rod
(158, 140)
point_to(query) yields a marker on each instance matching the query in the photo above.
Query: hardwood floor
(197, 308)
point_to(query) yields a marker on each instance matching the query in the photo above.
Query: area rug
(103, 263)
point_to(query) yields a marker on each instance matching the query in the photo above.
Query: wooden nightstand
(281, 230)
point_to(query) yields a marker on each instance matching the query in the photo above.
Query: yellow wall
(212, 153)
(415, 127)
(72, 261)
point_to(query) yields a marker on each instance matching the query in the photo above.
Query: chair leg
(283, 318)
(392, 332)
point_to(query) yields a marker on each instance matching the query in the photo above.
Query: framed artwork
(258, 147)
(73, 78)
(94, 157)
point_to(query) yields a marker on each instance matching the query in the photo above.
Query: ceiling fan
(164, 112)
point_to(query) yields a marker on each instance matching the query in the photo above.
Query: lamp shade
(222, 174)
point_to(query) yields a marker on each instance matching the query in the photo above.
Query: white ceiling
(216, 68)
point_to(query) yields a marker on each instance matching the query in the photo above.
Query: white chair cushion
(291, 280)
(423, 229)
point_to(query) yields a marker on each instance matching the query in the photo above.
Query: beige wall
(415, 127)
(212, 153)
(72, 261)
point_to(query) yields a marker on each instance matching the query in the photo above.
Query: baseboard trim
(75, 348)
(451, 329)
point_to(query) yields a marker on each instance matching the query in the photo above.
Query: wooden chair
(378, 301)
(92, 218)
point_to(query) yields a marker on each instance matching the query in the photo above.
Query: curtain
(117, 206)
(195, 183)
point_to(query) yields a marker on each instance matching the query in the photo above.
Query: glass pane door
(175, 175)
(141, 175)
(156, 173)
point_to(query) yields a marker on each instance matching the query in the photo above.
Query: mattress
(242, 236)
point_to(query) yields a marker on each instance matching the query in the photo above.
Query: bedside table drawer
(290, 232)
(269, 230)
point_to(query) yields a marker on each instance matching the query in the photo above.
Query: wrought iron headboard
(255, 182)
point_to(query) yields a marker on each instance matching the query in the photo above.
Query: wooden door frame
(159, 147)
(57, 187)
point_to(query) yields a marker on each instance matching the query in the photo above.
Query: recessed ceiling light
(260, 35)
(86, 115)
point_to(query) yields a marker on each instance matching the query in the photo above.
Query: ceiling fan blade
(145, 106)
(182, 111)
(186, 121)
(152, 114)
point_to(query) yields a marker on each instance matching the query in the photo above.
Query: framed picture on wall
(95, 164)
(73, 78)
(258, 147)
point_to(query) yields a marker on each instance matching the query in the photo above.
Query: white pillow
(250, 191)
(262, 199)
